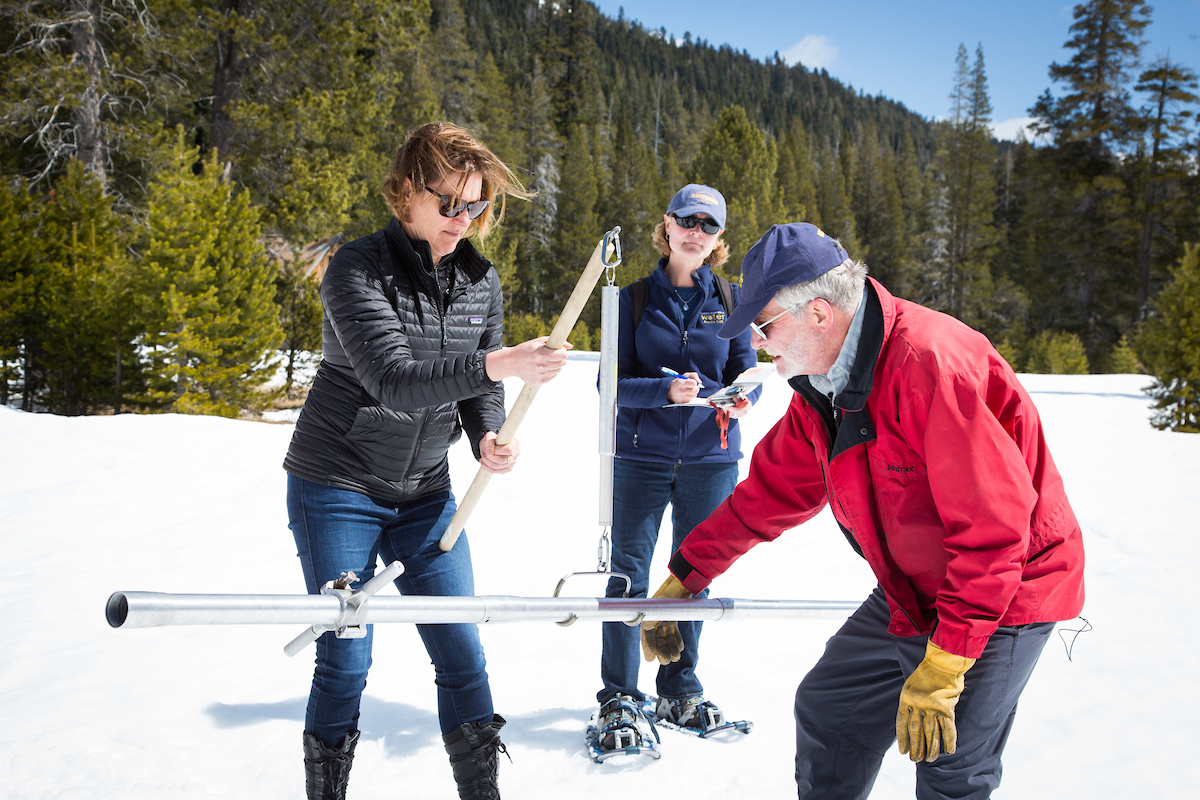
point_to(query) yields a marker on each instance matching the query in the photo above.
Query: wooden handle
(558, 337)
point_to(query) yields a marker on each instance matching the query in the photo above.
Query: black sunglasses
(706, 225)
(449, 209)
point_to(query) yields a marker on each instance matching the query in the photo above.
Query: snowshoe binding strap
(618, 727)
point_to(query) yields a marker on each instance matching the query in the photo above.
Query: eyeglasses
(449, 209)
(760, 328)
(706, 225)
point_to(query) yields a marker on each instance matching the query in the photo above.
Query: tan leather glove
(925, 721)
(661, 640)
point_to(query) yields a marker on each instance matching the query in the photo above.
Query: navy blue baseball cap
(698, 199)
(785, 256)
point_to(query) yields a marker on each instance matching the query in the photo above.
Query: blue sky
(905, 50)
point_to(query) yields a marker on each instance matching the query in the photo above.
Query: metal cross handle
(351, 623)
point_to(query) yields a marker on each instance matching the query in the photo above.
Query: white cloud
(813, 52)
(1009, 128)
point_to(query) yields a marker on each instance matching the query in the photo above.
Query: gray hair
(842, 286)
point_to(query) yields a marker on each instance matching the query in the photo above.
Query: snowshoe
(694, 715)
(620, 728)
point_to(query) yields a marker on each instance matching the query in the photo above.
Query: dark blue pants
(338, 531)
(641, 492)
(846, 709)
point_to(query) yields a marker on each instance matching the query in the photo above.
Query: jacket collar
(877, 326)
(415, 258)
(703, 278)
(878, 322)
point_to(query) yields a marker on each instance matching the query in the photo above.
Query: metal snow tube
(157, 609)
(609, 321)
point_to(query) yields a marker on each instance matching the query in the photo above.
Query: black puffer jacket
(402, 375)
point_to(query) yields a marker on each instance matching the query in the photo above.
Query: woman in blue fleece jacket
(670, 456)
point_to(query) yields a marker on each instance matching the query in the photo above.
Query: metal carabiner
(611, 239)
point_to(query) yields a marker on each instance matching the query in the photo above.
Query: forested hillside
(165, 161)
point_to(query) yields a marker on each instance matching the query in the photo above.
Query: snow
(183, 504)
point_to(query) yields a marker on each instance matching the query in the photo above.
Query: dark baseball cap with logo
(696, 198)
(785, 256)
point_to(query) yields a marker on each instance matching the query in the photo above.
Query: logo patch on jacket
(712, 318)
(475, 320)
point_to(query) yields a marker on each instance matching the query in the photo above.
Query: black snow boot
(327, 769)
(474, 749)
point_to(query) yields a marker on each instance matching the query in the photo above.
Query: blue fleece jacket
(645, 430)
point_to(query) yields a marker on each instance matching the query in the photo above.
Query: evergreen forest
(176, 172)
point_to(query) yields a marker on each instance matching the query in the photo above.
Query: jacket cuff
(689, 576)
(477, 363)
(958, 641)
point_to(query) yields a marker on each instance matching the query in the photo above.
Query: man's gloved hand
(925, 721)
(661, 640)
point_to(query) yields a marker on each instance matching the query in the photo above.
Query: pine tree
(298, 297)
(211, 293)
(496, 128)
(795, 176)
(533, 222)
(878, 213)
(86, 337)
(1090, 237)
(60, 319)
(1171, 88)
(1124, 358)
(83, 80)
(1094, 115)
(958, 279)
(1169, 346)
(635, 199)
(673, 173)
(916, 200)
(307, 104)
(833, 200)
(578, 228)
(575, 72)
(457, 66)
(496, 114)
(736, 159)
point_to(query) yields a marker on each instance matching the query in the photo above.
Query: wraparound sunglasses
(451, 209)
(706, 225)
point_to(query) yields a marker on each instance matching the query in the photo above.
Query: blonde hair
(438, 149)
(718, 256)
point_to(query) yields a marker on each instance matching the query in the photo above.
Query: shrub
(1057, 353)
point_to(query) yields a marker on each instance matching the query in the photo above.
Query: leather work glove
(661, 640)
(925, 721)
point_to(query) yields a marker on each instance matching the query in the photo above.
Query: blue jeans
(336, 531)
(846, 709)
(641, 492)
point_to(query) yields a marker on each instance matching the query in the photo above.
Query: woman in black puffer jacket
(412, 359)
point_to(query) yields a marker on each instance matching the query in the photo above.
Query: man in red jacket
(931, 456)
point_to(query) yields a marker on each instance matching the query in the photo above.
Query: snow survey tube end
(116, 611)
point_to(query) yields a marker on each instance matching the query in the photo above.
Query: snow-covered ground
(183, 504)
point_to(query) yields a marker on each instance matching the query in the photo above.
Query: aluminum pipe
(156, 609)
(609, 320)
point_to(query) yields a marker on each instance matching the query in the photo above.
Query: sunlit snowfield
(194, 504)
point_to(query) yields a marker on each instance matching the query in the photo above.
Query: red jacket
(935, 465)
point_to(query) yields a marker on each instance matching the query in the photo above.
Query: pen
(674, 374)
